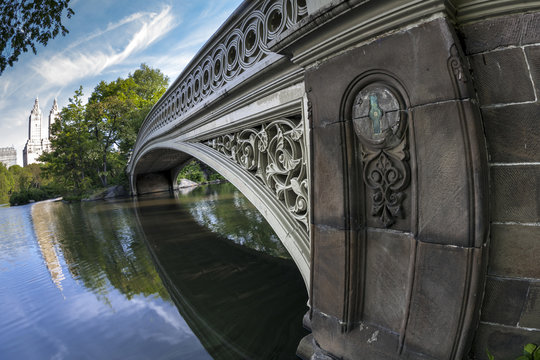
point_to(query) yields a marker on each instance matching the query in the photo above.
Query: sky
(107, 39)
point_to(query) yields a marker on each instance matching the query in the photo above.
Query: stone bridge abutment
(384, 141)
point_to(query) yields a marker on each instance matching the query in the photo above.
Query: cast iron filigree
(274, 153)
(235, 51)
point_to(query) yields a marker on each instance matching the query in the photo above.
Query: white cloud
(112, 26)
(69, 66)
(166, 38)
(217, 10)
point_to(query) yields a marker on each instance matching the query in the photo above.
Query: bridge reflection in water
(80, 283)
(241, 303)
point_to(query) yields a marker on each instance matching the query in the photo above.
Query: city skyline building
(8, 156)
(37, 143)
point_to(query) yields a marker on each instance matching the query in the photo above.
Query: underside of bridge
(358, 128)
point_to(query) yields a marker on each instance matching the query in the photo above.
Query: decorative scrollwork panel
(275, 154)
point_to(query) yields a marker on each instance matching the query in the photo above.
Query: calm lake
(189, 276)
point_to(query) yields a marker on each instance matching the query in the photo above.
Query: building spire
(33, 148)
(36, 106)
(54, 109)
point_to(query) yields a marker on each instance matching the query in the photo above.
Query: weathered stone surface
(503, 342)
(443, 201)
(503, 300)
(329, 249)
(153, 182)
(305, 349)
(515, 193)
(156, 161)
(423, 70)
(364, 341)
(531, 29)
(517, 29)
(502, 77)
(513, 132)
(533, 57)
(444, 143)
(530, 318)
(185, 183)
(387, 278)
(328, 164)
(440, 288)
(111, 192)
(515, 251)
(316, 5)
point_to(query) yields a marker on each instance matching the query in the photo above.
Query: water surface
(196, 276)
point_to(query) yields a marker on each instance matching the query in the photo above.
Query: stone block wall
(504, 56)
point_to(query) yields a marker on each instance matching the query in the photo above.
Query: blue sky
(107, 39)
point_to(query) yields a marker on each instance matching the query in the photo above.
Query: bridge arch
(162, 160)
(398, 262)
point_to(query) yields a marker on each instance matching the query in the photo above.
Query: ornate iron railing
(234, 50)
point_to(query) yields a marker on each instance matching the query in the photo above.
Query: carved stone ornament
(455, 65)
(274, 153)
(380, 125)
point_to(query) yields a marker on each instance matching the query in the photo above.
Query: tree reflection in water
(226, 271)
(240, 302)
(223, 210)
(101, 248)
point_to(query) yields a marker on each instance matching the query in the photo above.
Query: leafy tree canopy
(26, 23)
(6, 183)
(72, 156)
(91, 142)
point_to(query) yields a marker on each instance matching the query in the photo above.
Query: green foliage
(29, 183)
(72, 156)
(6, 183)
(530, 352)
(192, 171)
(21, 178)
(215, 176)
(198, 172)
(97, 238)
(23, 24)
(36, 194)
(26, 177)
(19, 184)
(115, 113)
(231, 215)
(91, 143)
(146, 86)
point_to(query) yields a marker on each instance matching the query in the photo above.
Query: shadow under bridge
(266, 162)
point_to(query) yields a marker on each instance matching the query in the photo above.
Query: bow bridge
(358, 128)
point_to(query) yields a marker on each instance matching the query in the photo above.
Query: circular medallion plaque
(376, 115)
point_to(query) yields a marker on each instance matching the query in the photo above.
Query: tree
(73, 155)
(148, 85)
(6, 184)
(115, 113)
(34, 172)
(26, 177)
(21, 178)
(25, 23)
(91, 143)
(106, 111)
